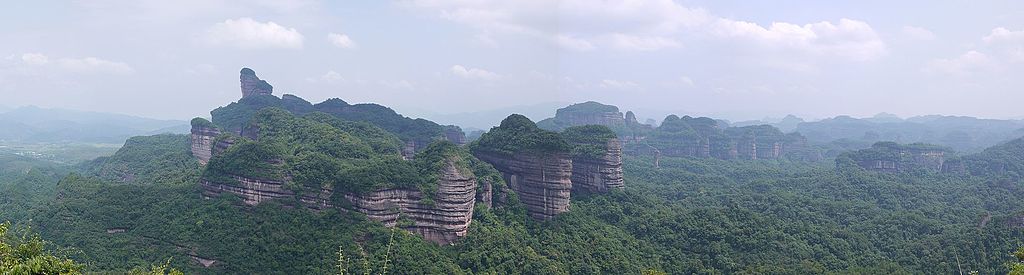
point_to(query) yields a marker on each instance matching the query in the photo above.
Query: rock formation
(204, 134)
(631, 119)
(704, 137)
(255, 191)
(252, 85)
(599, 174)
(454, 134)
(893, 157)
(442, 222)
(586, 113)
(542, 181)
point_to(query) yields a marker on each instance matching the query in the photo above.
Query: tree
(25, 254)
(1017, 267)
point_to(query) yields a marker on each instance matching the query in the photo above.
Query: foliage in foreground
(26, 254)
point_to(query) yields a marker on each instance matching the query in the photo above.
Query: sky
(727, 59)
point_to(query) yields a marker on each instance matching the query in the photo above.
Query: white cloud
(1002, 34)
(246, 33)
(640, 43)
(331, 77)
(202, 69)
(572, 43)
(617, 84)
(35, 59)
(652, 25)
(687, 81)
(1006, 43)
(967, 64)
(473, 73)
(1002, 49)
(94, 65)
(850, 39)
(918, 33)
(341, 41)
(87, 65)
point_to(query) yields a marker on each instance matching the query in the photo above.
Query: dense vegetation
(238, 115)
(1005, 160)
(689, 216)
(148, 160)
(26, 254)
(516, 133)
(588, 140)
(686, 216)
(320, 150)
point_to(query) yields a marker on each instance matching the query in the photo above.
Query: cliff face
(601, 118)
(252, 85)
(443, 221)
(599, 174)
(203, 138)
(542, 181)
(892, 157)
(454, 134)
(255, 191)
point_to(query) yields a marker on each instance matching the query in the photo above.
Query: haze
(728, 59)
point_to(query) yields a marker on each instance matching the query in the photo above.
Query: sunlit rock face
(443, 218)
(203, 139)
(542, 181)
(253, 85)
(599, 174)
(255, 191)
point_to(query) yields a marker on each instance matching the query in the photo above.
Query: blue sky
(731, 59)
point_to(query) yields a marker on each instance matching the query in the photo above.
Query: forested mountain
(280, 186)
(966, 134)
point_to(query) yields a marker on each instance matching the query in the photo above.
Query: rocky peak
(631, 119)
(534, 162)
(454, 134)
(253, 85)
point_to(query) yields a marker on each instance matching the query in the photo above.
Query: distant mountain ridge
(962, 133)
(35, 124)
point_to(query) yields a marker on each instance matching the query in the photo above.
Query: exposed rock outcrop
(893, 157)
(255, 191)
(443, 221)
(599, 174)
(542, 181)
(586, 113)
(203, 137)
(631, 119)
(253, 85)
(454, 134)
(704, 137)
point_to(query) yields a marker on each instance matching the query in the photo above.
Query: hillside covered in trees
(280, 186)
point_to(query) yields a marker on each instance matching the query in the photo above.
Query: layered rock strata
(203, 138)
(542, 181)
(255, 191)
(442, 219)
(599, 174)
